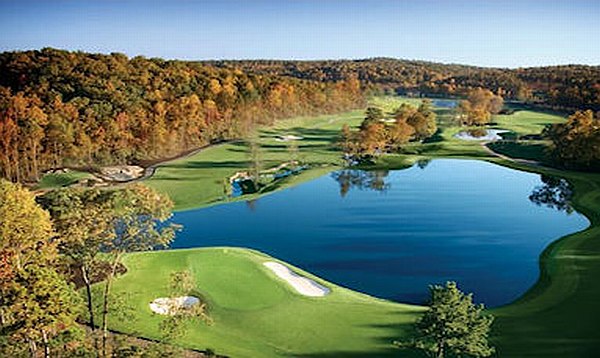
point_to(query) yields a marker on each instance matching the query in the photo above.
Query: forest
(80, 110)
(561, 87)
(60, 108)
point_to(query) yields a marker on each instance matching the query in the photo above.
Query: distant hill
(568, 86)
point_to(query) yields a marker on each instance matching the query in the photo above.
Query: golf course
(255, 313)
(310, 179)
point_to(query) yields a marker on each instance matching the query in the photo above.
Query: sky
(499, 33)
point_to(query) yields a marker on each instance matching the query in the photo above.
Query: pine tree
(452, 326)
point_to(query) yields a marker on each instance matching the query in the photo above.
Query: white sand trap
(171, 306)
(287, 138)
(490, 134)
(388, 120)
(304, 286)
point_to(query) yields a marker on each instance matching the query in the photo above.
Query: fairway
(255, 313)
(199, 180)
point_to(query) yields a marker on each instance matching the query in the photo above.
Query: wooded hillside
(71, 108)
(60, 108)
(569, 87)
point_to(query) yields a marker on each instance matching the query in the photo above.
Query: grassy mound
(255, 313)
(521, 150)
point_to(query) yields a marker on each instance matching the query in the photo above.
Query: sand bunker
(303, 285)
(287, 138)
(121, 173)
(174, 305)
(486, 134)
(388, 120)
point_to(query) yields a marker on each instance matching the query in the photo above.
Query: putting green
(255, 313)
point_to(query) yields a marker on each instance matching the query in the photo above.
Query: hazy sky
(487, 33)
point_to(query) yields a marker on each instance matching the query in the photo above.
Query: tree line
(564, 87)
(60, 108)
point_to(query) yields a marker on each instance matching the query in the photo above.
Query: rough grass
(258, 315)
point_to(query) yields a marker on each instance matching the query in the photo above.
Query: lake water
(391, 234)
(445, 103)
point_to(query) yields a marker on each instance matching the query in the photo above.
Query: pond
(391, 234)
(445, 103)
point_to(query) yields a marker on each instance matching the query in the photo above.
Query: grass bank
(258, 315)
(198, 180)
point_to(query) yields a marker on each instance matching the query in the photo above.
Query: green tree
(255, 159)
(452, 326)
(424, 121)
(139, 225)
(372, 115)
(182, 283)
(83, 220)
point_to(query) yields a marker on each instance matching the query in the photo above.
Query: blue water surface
(391, 234)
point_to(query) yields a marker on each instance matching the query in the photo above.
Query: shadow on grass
(436, 138)
(386, 342)
(207, 165)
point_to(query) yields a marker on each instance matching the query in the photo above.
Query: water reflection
(460, 220)
(423, 163)
(555, 193)
(361, 179)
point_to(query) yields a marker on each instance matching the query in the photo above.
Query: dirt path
(529, 162)
(150, 168)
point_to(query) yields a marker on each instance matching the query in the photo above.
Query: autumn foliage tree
(479, 107)
(95, 228)
(60, 108)
(377, 136)
(36, 303)
(83, 220)
(139, 224)
(576, 143)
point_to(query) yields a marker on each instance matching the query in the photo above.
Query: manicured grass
(530, 150)
(257, 314)
(199, 180)
(525, 122)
